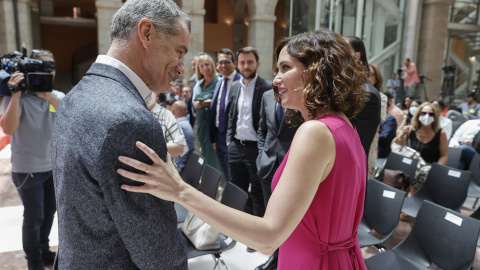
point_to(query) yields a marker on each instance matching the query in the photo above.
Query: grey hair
(164, 14)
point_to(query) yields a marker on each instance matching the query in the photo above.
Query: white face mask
(426, 119)
(413, 110)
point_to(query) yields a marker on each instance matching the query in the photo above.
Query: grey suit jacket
(273, 141)
(100, 225)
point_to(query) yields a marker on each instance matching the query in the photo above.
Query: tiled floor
(12, 256)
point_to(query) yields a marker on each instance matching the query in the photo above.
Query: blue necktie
(279, 115)
(221, 109)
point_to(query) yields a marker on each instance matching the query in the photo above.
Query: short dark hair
(389, 96)
(170, 101)
(227, 51)
(472, 95)
(162, 97)
(247, 50)
(357, 45)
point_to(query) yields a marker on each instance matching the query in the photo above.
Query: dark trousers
(222, 153)
(243, 172)
(38, 196)
(466, 157)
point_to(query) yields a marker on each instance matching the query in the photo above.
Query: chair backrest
(454, 154)
(456, 116)
(234, 197)
(447, 186)
(209, 181)
(455, 126)
(475, 168)
(193, 169)
(448, 238)
(405, 164)
(383, 205)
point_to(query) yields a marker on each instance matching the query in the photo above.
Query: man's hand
(50, 98)
(15, 80)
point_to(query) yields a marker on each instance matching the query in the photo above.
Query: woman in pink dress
(319, 189)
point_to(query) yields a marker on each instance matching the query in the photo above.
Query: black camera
(451, 68)
(37, 72)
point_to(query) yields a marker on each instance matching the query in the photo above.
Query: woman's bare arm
(310, 160)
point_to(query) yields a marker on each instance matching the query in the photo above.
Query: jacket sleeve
(262, 127)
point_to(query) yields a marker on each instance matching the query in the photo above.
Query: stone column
(261, 30)
(25, 23)
(432, 41)
(7, 27)
(195, 9)
(105, 11)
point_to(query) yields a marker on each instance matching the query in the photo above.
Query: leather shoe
(35, 265)
(271, 263)
(48, 257)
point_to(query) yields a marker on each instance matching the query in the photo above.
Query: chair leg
(219, 262)
(475, 204)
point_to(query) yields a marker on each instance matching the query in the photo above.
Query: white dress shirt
(245, 130)
(465, 132)
(229, 83)
(142, 88)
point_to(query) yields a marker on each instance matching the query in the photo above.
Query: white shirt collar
(254, 81)
(136, 81)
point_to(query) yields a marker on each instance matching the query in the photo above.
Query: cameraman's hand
(50, 98)
(15, 80)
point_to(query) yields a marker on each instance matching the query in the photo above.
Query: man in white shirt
(463, 138)
(243, 122)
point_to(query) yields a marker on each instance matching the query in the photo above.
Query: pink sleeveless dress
(326, 238)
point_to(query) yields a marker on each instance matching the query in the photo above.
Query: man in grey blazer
(100, 225)
(274, 139)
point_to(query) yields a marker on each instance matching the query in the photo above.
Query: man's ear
(145, 32)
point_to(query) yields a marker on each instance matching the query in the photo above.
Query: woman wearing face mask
(426, 137)
(411, 111)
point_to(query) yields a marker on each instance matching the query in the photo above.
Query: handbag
(395, 178)
(410, 153)
(202, 235)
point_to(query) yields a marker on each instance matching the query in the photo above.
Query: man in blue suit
(218, 109)
(100, 225)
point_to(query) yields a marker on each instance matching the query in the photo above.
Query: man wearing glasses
(218, 109)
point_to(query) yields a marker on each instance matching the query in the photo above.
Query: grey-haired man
(100, 225)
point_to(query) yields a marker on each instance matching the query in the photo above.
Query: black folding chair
(208, 186)
(474, 187)
(444, 186)
(440, 236)
(454, 154)
(192, 171)
(476, 215)
(398, 162)
(233, 197)
(381, 213)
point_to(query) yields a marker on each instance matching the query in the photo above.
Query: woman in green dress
(204, 89)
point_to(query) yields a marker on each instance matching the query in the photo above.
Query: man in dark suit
(100, 225)
(243, 119)
(274, 139)
(218, 109)
(367, 120)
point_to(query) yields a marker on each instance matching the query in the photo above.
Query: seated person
(386, 134)
(427, 138)
(173, 134)
(445, 123)
(463, 138)
(470, 108)
(179, 110)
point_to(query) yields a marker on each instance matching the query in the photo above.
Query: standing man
(28, 118)
(242, 137)
(179, 110)
(367, 120)
(411, 78)
(103, 117)
(392, 85)
(274, 139)
(218, 109)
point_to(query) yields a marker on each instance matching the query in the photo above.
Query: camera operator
(28, 118)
